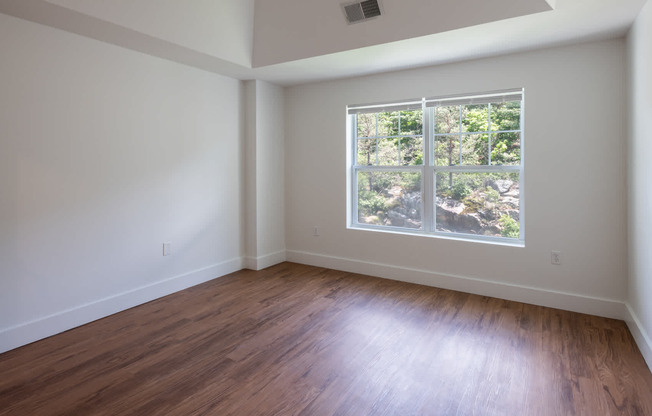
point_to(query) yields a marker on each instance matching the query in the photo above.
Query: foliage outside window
(464, 179)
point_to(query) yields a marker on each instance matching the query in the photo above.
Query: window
(448, 166)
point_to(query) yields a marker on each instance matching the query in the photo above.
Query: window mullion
(489, 135)
(399, 138)
(478, 168)
(377, 159)
(390, 168)
(427, 186)
(521, 175)
(353, 192)
(459, 131)
(476, 132)
(354, 196)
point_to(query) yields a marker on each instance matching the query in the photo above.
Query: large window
(447, 166)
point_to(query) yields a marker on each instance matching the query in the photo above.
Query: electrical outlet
(167, 249)
(315, 231)
(555, 257)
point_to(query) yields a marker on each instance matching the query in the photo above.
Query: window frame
(408, 105)
(429, 170)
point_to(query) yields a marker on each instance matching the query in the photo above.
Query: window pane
(475, 118)
(366, 152)
(506, 116)
(475, 149)
(478, 203)
(388, 124)
(447, 150)
(412, 151)
(390, 198)
(388, 152)
(411, 123)
(506, 149)
(367, 125)
(447, 119)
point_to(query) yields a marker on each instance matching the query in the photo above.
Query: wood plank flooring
(301, 340)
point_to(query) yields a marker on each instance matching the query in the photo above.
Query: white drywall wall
(640, 175)
(270, 172)
(575, 180)
(265, 192)
(105, 154)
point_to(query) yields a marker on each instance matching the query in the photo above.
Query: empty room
(325, 207)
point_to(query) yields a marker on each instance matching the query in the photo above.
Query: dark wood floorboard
(301, 340)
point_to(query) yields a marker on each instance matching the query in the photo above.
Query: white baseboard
(554, 299)
(263, 262)
(46, 326)
(640, 335)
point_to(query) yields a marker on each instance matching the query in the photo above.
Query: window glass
(506, 148)
(478, 203)
(447, 119)
(411, 151)
(391, 199)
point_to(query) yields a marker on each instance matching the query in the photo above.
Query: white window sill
(499, 241)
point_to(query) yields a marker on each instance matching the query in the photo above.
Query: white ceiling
(295, 41)
(287, 30)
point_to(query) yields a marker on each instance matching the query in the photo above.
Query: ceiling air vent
(360, 11)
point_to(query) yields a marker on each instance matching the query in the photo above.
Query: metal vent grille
(359, 11)
(370, 8)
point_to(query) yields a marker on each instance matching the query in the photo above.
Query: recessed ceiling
(296, 41)
(287, 30)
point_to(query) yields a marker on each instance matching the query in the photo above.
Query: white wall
(640, 174)
(105, 154)
(575, 180)
(265, 188)
(270, 173)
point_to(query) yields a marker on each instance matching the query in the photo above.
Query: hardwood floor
(301, 340)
